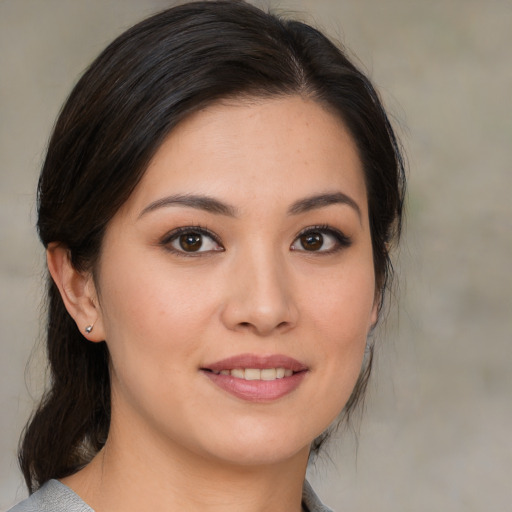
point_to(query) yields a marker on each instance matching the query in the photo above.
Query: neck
(160, 476)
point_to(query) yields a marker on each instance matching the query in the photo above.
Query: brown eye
(321, 239)
(312, 241)
(191, 242)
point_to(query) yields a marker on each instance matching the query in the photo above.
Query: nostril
(259, 328)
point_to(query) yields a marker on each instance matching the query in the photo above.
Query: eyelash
(342, 241)
(199, 230)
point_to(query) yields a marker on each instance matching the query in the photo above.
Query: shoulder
(52, 497)
(310, 501)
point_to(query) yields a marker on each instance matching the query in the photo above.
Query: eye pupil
(191, 242)
(312, 241)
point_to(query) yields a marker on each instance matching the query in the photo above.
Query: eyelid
(175, 233)
(343, 241)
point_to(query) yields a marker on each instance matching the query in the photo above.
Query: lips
(256, 378)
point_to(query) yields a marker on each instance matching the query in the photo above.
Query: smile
(256, 378)
(256, 373)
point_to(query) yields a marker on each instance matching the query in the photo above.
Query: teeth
(268, 374)
(252, 374)
(257, 374)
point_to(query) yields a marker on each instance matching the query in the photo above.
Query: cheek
(152, 327)
(341, 313)
(142, 292)
(342, 303)
(156, 317)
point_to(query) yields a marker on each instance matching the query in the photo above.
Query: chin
(259, 445)
(261, 455)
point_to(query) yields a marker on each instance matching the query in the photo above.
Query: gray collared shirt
(54, 496)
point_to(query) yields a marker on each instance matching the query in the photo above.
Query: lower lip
(257, 390)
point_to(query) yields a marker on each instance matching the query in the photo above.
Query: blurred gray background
(436, 433)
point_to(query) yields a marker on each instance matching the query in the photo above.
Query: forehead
(255, 149)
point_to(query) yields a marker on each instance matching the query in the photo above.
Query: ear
(77, 290)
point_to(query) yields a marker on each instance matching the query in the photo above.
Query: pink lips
(256, 390)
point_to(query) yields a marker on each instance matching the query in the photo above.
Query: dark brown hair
(128, 101)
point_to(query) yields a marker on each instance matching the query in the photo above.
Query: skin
(177, 440)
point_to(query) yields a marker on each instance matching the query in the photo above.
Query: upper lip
(256, 361)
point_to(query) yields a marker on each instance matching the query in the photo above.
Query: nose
(260, 296)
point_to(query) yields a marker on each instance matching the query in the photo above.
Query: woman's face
(236, 286)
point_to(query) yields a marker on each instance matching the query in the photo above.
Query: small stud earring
(88, 329)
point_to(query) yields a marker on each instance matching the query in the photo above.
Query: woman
(218, 202)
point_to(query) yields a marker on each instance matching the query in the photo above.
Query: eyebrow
(321, 200)
(200, 202)
(211, 205)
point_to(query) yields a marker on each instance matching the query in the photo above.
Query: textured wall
(436, 432)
